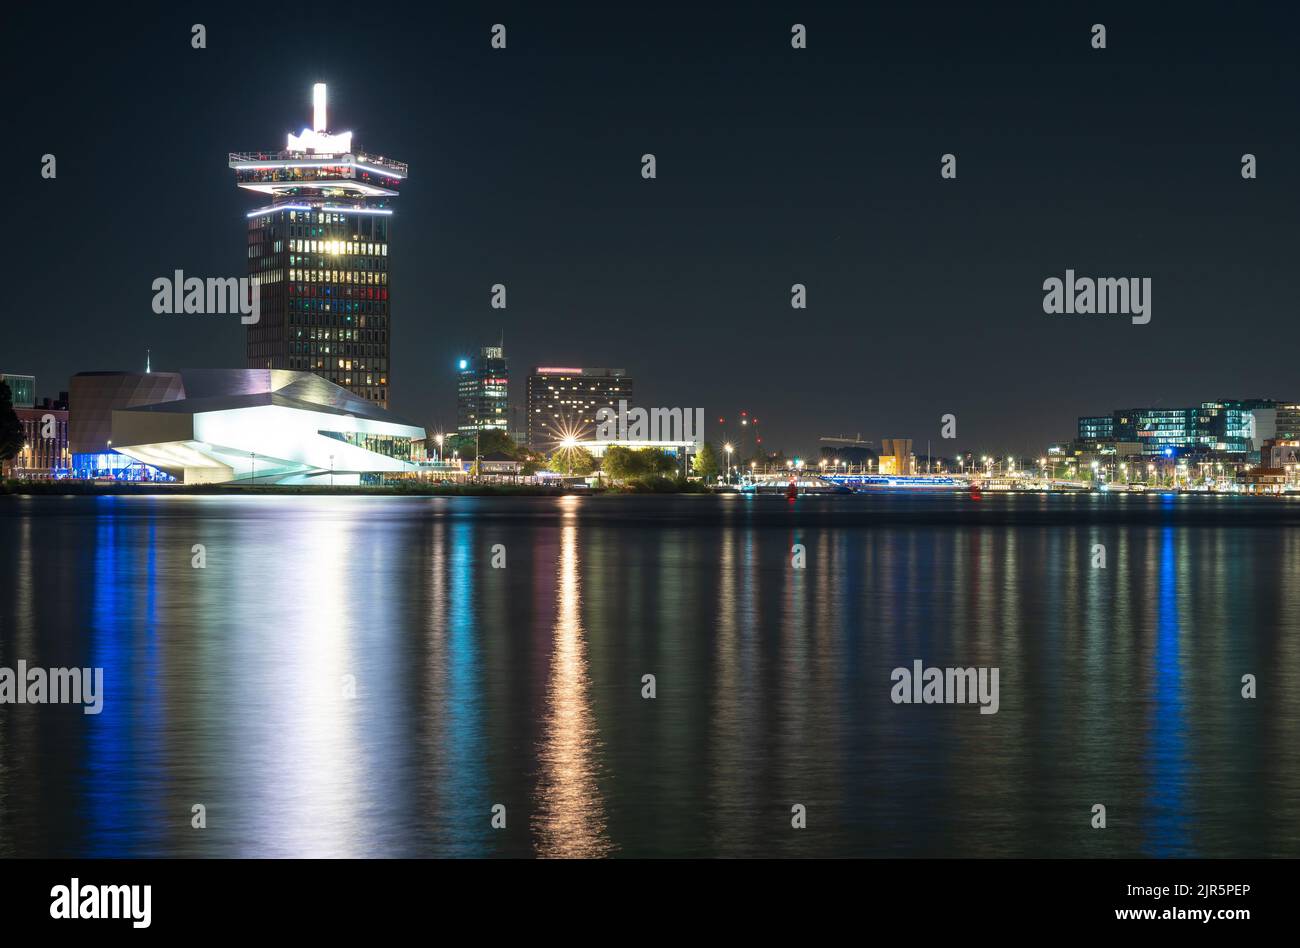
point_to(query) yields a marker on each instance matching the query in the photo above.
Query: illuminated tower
(319, 251)
(483, 392)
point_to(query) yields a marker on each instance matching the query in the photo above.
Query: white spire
(317, 139)
(318, 97)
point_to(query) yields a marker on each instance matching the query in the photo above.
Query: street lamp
(727, 447)
(568, 444)
(254, 454)
(438, 439)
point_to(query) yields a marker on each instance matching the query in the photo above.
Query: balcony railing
(374, 161)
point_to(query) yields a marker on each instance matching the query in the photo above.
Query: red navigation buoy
(792, 491)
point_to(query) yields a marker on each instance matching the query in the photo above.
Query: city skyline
(918, 304)
(666, 433)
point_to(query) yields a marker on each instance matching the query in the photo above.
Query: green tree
(656, 463)
(624, 464)
(489, 441)
(458, 444)
(576, 460)
(496, 441)
(705, 463)
(619, 463)
(11, 430)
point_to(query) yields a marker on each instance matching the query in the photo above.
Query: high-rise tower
(319, 251)
(483, 392)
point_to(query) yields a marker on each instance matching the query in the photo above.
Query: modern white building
(267, 426)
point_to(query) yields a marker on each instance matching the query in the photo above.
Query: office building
(1097, 428)
(22, 388)
(1226, 426)
(564, 401)
(1287, 421)
(320, 253)
(44, 453)
(483, 392)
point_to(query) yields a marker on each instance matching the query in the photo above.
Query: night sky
(775, 166)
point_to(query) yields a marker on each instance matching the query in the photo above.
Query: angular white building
(267, 426)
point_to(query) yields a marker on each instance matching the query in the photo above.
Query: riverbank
(415, 488)
(97, 488)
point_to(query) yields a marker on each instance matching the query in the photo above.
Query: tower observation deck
(319, 253)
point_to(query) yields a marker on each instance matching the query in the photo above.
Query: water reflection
(570, 819)
(475, 686)
(1167, 825)
(303, 729)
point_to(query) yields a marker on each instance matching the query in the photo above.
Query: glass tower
(319, 254)
(482, 392)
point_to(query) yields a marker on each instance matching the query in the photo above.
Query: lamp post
(331, 470)
(438, 440)
(728, 448)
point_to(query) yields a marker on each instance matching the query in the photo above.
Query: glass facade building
(483, 392)
(1288, 421)
(1221, 427)
(22, 388)
(1097, 428)
(320, 252)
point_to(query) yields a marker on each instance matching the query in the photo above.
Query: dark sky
(775, 166)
